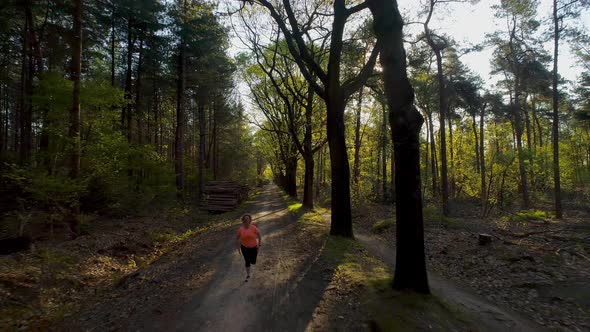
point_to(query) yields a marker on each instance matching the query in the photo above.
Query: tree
(438, 44)
(75, 111)
(330, 88)
(511, 53)
(405, 122)
(561, 11)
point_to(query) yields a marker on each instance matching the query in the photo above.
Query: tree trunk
(291, 176)
(357, 143)
(75, 122)
(527, 122)
(26, 114)
(308, 183)
(556, 176)
(384, 153)
(521, 166)
(113, 42)
(392, 186)
(319, 173)
(517, 122)
(476, 139)
(75, 125)
(308, 153)
(126, 116)
(443, 107)
(433, 160)
(482, 158)
(138, 96)
(341, 208)
(405, 121)
(202, 133)
(179, 137)
(451, 157)
(442, 131)
(341, 221)
(537, 123)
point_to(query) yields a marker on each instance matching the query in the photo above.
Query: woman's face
(246, 221)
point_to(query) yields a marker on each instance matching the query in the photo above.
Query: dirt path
(488, 316)
(201, 286)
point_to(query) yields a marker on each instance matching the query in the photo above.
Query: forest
(411, 165)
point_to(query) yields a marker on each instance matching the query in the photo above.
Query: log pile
(223, 196)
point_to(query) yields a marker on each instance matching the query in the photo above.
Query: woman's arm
(259, 239)
(238, 244)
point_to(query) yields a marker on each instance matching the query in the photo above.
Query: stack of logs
(223, 196)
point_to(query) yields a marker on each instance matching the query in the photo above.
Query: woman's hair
(246, 215)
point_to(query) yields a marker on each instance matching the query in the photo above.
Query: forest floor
(536, 265)
(304, 280)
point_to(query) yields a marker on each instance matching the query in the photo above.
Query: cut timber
(223, 196)
(484, 239)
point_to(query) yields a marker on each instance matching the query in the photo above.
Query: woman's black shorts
(249, 255)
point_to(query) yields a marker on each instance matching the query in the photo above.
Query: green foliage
(41, 190)
(531, 215)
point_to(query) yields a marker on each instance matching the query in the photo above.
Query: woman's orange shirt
(248, 236)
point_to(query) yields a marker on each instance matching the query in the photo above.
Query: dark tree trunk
(392, 164)
(476, 139)
(443, 106)
(341, 211)
(482, 158)
(179, 136)
(113, 42)
(433, 160)
(2, 116)
(126, 115)
(291, 176)
(555, 127)
(452, 158)
(318, 179)
(405, 121)
(527, 122)
(202, 134)
(537, 123)
(26, 111)
(518, 133)
(517, 122)
(138, 96)
(443, 141)
(335, 104)
(384, 154)
(308, 183)
(308, 153)
(357, 142)
(75, 124)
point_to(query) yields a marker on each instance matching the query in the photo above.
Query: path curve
(488, 316)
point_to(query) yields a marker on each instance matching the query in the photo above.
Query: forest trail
(201, 287)
(488, 316)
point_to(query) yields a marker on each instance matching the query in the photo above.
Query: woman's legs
(249, 258)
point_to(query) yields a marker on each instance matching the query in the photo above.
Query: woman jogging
(248, 242)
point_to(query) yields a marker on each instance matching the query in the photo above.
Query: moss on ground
(527, 215)
(386, 309)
